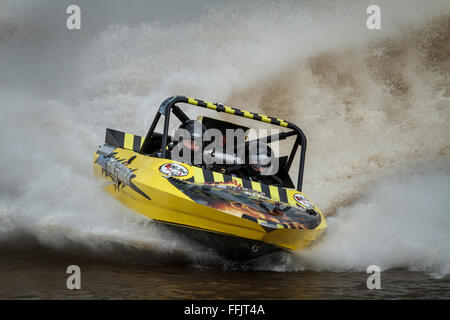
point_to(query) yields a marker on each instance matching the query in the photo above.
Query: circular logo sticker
(302, 200)
(174, 169)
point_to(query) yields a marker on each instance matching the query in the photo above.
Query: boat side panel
(170, 204)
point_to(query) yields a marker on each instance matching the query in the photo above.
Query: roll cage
(169, 106)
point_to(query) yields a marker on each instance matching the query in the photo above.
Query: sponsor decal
(235, 186)
(118, 170)
(302, 200)
(174, 170)
(247, 204)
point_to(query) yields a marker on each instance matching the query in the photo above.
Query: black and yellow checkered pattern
(237, 112)
(202, 175)
(123, 140)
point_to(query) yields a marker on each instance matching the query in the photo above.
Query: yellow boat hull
(146, 185)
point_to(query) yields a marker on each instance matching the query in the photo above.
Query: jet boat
(231, 213)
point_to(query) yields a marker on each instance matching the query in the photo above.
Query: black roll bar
(170, 102)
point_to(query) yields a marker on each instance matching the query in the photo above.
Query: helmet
(194, 128)
(259, 158)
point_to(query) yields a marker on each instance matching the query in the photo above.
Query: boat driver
(188, 144)
(260, 166)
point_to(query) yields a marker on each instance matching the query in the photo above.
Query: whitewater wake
(373, 104)
(401, 223)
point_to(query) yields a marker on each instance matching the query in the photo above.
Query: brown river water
(41, 274)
